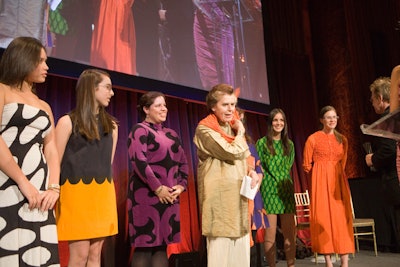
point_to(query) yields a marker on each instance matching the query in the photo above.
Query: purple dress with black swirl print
(156, 158)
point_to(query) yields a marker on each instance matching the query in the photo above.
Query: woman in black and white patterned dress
(29, 164)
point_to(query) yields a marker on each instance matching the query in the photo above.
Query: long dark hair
(20, 58)
(270, 133)
(85, 117)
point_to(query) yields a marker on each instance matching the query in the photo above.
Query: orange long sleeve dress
(114, 39)
(331, 216)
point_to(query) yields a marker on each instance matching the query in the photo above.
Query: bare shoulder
(115, 130)
(3, 91)
(396, 71)
(115, 124)
(396, 68)
(3, 88)
(45, 106)
(64, 122)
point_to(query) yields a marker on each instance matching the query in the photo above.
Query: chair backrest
(352, 208)
(302, 199)
(302, 206)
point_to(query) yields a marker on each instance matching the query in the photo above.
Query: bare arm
(51, 195)
(10, 168)
(115, 140)
(394, 88)
(62, 134)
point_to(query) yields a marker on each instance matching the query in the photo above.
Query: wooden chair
(302, 216)
(302, 210)
(367, 226)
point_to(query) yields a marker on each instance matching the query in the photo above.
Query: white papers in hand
(246, 189)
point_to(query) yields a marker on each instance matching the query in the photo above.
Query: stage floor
(365, 258)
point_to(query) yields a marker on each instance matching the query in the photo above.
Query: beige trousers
(228, 252)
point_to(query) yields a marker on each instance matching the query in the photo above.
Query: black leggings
(150, 257)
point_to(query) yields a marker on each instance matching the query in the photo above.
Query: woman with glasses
(86, 142)
(325, 155)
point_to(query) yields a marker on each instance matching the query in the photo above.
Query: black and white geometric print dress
(27, 237)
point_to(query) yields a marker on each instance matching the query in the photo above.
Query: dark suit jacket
(384, 161)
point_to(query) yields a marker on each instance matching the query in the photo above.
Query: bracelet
(158, 191)
(54, 189)
(54, 186)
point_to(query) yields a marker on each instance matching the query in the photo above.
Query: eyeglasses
(331, 117)
(107, 86)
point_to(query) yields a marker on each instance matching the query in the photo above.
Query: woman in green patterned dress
(276, 153)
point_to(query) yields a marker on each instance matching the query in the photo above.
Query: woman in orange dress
(114, 38)
(325, 155)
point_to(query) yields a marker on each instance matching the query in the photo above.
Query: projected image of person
(214, 44)
(177, 44)
(147, 20)
(255, 62)
(23, 18)
(114, 40)
(229, 46)
(71, 23)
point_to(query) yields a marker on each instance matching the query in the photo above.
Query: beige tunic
(221, 168)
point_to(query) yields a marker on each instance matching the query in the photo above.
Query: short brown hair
(147, 100)
(214, 95)
(381, 87)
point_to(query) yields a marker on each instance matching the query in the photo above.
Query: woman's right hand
(31, 193)
(165, 195)
(237, 125)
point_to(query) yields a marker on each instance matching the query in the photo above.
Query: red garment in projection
(114, 40)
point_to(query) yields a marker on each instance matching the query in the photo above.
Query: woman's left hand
(177, 190)
(255, 178)
(49, 199)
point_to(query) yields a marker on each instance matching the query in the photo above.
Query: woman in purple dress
(159, 176)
